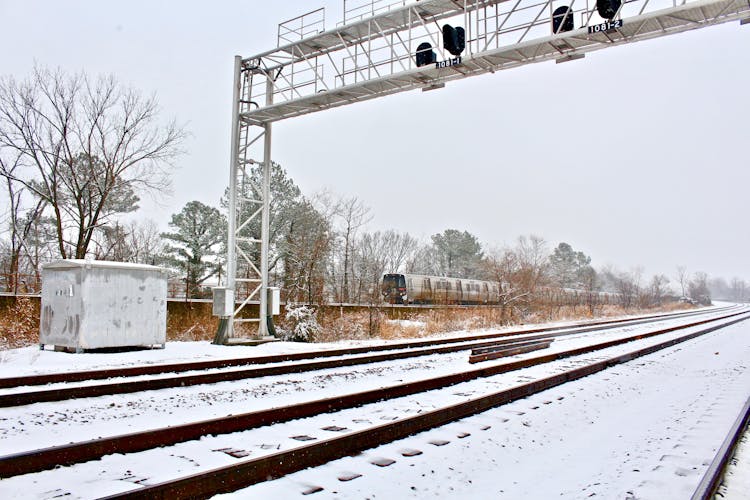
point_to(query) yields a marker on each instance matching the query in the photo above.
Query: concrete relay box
(98, 304)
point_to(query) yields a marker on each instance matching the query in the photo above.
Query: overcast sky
(646, 166)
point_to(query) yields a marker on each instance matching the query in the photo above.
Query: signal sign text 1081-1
(448, 63)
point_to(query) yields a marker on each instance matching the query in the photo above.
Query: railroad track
(712, 478)
(231, 478)
(356, 356)
(90, 375)
(252, 471)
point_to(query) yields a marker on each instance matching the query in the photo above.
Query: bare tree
(134, 242)
(627, 287)
(521, 270)
(739, 290)
(682, 279)
(658, 289)
(23, 216)
(589, 279)
(698, 288)
(642, 292)
(86, 148)
(307, 241)
(423, 261)
(375, 254)
(503, 266)
(371, 264)
(533, 262)
(353, 214)
(144, 241)
(399, 249)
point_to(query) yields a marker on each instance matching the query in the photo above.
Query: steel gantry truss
(372, 54)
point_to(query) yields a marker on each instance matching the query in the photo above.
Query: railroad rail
(231, 478)
(713, 476)
(90, 375)
(496, 351)
(403, 351)
(39, 460)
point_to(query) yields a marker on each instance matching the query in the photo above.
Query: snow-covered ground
(645, 429)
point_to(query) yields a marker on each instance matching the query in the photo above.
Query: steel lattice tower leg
(254, 274)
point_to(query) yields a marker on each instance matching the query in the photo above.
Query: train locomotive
(421, 289)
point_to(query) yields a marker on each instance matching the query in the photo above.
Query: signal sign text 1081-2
(605, 26)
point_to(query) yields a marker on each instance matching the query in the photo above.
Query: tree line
(77, 154)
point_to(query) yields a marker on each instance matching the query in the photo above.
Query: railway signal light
(562, 19)
(425, 54)
(608, 8)
(454, 39)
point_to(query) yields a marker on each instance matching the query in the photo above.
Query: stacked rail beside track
(497, 351)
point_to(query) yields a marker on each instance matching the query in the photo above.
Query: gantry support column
(226, 324)
(266, 216)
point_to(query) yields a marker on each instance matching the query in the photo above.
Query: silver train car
(421, 289)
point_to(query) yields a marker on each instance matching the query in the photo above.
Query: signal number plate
(448, 63)
(605, 26)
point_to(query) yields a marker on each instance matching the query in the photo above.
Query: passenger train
(421, 289)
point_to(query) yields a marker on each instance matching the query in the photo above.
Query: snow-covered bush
(300, 324)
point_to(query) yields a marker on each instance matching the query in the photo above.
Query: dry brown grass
(190, 321)
(395, 329)
(375, 323)
(348, 326)
(19, 323)
(437, 321)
